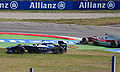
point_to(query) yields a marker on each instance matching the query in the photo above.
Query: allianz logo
(109, 5)
(61, 5)
(12, 5)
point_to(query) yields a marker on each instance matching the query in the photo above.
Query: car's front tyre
(20, 50)
(113, 44)
(84, 40)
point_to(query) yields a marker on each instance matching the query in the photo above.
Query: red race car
(108, 40)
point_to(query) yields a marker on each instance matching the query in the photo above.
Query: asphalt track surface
(58, 29)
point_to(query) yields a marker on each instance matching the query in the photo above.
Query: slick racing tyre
(59, 50)
(20, 50)
(84, 40)
(114, 44)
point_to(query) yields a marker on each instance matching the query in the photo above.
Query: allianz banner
(59, 5)
(96, 5)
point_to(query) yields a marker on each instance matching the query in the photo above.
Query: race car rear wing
(63, 44)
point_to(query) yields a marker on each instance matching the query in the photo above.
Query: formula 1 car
(39, 48)
(108, 40)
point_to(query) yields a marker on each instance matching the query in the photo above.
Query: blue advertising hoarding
(36, 5)
(60, 5)
(96, 5)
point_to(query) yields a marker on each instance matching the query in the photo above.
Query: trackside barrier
(60, 5)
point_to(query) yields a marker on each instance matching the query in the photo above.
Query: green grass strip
(90, 47)
(98, 21)
(6, 36)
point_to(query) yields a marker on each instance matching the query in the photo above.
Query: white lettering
(99, 5)
(36, 4)
(32, 5)
(49, 5)
(92, 5)
(54, 5)
(88, 5)
(6, 5)
(1, 5)
(42, 5)
(85, 4)
(103, 5)
(81, 5)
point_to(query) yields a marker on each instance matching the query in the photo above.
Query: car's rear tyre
(84, 40)
(20, 50)
(59, 50)
(114, 44)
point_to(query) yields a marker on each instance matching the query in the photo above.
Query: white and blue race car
(39, 48)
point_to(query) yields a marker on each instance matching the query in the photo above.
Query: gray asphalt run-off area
(19, 15)
(73, 30)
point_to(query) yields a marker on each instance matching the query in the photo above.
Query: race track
(59, 29)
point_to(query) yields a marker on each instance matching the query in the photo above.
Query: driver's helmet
(94, 36)
(106, 35)
(38, 44)
(34, 44)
